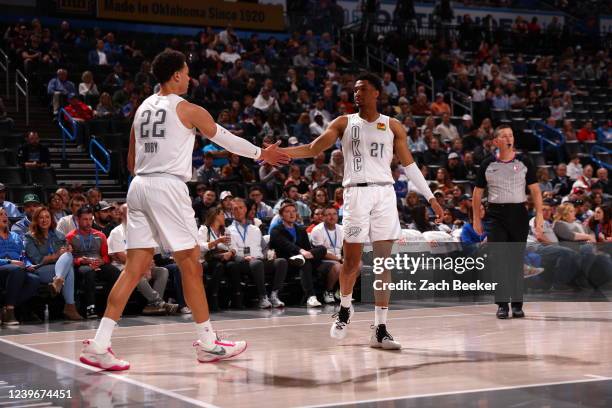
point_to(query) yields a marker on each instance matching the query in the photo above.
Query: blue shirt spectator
(218, 161)
(470, 236)
(12, 249)
(61, 84)
(10, 208)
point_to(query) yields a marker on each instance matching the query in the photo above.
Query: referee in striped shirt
(506, 176)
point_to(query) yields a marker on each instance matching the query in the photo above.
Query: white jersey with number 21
(368, 151)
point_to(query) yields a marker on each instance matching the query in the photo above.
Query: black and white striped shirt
(506, 181)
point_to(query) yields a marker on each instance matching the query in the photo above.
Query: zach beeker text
(425, 285)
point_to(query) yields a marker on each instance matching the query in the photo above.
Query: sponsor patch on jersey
(381, 126)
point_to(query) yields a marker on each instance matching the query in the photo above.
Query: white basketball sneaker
(96, 356)
(339, 326)
(222, 350)
(382, 339)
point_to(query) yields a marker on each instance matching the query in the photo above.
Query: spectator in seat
(330, 235)
(205, 200)
(113, 51)
(81, 113)
(59, 88)
(296, 178)
(88, 88)
(469, 236)
(562, 184)
(103, 220)
(447, 131)
(544, 180)
(69, 222)
(291, 242)
(157, 274)
(302, 60)
(318, 125)
(264, 211)
(94, 196)
(336, 165)
(207, 173)
(56, 207)
(246, 242)
(30, 203)
(91, 260)
(105, 108)
(439, 106)
(15, 278)
(455, 168)
(601, 223)
(123, 95)
(32, 154)
(400, 184)
(65, 196)
(604, 181)
(317, 218)
(98, 56)
(587, 134)
(215, 246)
(225, 199)
(46, 248)
(319, 165)
(434, 156)
(266, 102)
(486, 149)
(320, 198)
(129, 109)
(462, 211)
(291, 193)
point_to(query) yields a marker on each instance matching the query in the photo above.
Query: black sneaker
(8, 317)
(91, 312)
(381, 338)
(502, 312)
(517, 310)
(339, 326)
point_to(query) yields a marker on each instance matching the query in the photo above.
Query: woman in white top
(88, 86)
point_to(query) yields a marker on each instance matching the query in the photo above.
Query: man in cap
(30, 203)
(438, 107)
(455, 168)
(226, 198)
(103, 218)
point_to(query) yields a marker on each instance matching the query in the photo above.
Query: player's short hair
(372, 79)
(499, 129)
(166, 63)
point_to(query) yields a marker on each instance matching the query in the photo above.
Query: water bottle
(46, 312)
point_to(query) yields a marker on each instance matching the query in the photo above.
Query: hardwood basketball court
(451, 356)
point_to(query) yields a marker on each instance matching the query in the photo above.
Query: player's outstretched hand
(274, 155)
(437, 209)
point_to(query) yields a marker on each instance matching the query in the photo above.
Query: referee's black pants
(507, 232)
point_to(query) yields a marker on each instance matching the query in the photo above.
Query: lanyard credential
(89, 240)
(333, 243)
(246, 231)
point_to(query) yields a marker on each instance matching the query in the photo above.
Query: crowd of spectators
(264, 226)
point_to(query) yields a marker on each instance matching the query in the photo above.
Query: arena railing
(549, 136)
(4, 65)
(22, 85)
(104, 167)
(67, 133)
(596, 151)
(462, 100)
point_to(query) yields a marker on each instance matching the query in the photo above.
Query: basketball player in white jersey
(160, 212)
(369, 140)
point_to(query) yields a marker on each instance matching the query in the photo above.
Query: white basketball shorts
(370, 214)
(160, 214)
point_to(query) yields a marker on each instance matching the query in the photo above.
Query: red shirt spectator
(586, 133)
(90, 244)
(78, 110)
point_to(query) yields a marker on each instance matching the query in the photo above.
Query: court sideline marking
(441, 394)
(129, 380)
(279, 326)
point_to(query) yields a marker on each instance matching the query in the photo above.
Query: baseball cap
(439, 94)
(401, 100)
(31, 198)
(466, 117)
(293, 141)
(225, 194)
(465, 197)
(453, 155)
(71, 95)
(2, 187)
(103, 205)
(438, 192)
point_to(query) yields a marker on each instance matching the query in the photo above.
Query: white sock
(380, 315)
(206, 334)
(105, 332)
(345, 300)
